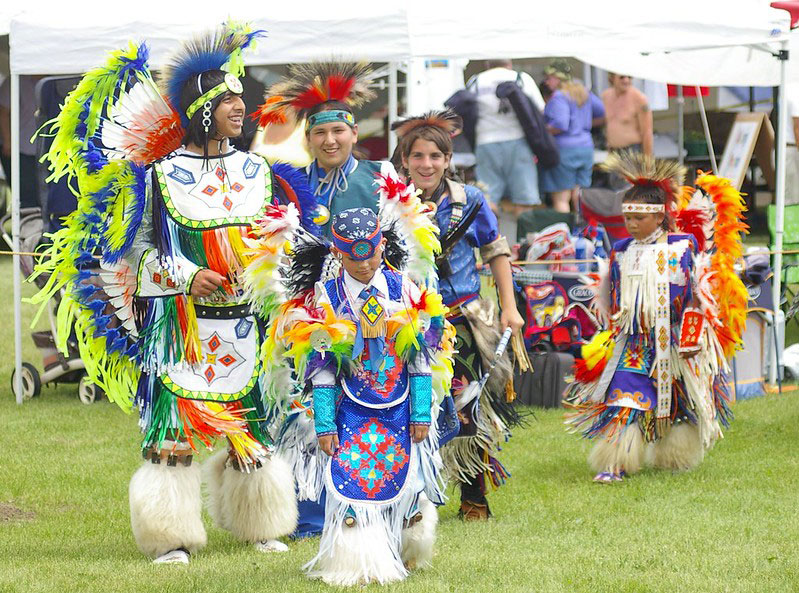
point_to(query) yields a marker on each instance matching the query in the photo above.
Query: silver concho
(322, 215)
(321, 340)
(233, 83)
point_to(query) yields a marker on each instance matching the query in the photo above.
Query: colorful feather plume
(109, 181)
(273, 236)
(326, 340)
(309, 85)
(643, 169)
(692, 221)
(446, 120)
(403, 211)
(215, 50)
(727, 288)
(418, 325)
(595, 357)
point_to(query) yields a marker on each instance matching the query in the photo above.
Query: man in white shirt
(505, 163)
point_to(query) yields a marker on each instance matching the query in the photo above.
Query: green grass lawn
(731, 525)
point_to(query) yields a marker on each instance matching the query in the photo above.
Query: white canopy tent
(59, 40)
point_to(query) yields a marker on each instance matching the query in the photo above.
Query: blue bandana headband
(357, 233)
(326, 117)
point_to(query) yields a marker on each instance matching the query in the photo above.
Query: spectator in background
(628, 117)
(570, 114)
(28, 190)
(505, 163)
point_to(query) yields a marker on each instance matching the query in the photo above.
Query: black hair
(650, 193)
(195, 131)
(329, 106)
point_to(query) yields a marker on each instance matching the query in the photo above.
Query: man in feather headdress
(169, 204)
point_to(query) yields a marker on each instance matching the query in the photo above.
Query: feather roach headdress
(446, 120)
(216, 50)
(309, 85)
(646, 171)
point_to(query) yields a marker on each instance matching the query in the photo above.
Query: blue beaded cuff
(324, 409)
(421, 398)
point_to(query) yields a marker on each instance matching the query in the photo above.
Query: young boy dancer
(375, 350)
(656, 379)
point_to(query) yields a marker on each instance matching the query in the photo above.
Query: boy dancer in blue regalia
(375, 350)
(321, 97)
(372, 421)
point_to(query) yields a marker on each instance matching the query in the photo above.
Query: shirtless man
(629, 120)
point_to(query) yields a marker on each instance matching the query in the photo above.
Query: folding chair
(790, 262)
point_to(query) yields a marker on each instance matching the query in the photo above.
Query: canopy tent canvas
(447, 29)
(60, 39)
(64, 41)
(54, 39)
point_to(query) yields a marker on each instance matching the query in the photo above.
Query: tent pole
(15, 198)
(782, 131)
(680, 125)
(392, 106)
(706, 127)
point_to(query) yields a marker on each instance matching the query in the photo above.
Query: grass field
(729, 526)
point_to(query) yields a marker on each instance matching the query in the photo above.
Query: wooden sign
(750, 133)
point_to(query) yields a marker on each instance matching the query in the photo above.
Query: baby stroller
(57, 201)
(58, 368)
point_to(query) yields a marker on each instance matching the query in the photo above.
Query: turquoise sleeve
(421, 398)
(324, 409)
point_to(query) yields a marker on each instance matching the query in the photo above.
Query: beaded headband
(231, 83)
(332, 115)
(642, 208)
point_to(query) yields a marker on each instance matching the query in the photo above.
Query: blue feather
(298, 180)
(133, 351)
(86, 291)
(97, 306)
(140, 63)
(186, 68)
(84, 258)
(118, 345)
(252, 36)
(134, 212)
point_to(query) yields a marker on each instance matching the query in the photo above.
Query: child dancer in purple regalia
(652, 387)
